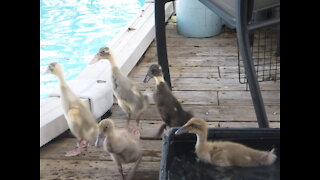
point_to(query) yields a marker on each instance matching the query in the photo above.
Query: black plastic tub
(179, 162)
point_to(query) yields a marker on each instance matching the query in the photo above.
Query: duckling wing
(127, 91)
(171, 111)
(121, 83)
(125, 145)
(169, 107)
(218, 154)
(133, 149)
(82, 124)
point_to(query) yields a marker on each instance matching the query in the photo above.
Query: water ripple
(71, 31)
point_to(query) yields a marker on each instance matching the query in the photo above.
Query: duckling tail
(270, 157)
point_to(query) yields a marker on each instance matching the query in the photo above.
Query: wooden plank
(91, 169)
(214, 113)
(206, 84)
(57, 148)
(247, 124)
(244, 97)
(171, 32)
(211, 61)
(148, 129)
(176, 72)
(195, 52)
(235, 69)
(213, 84)
(198, 97)
(213, 42)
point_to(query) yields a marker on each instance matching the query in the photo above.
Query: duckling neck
(201, 140)
(61, 79)
(109, 133)
(112, 62)
(159, 79)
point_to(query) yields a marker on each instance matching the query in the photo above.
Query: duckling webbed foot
(137, 131)
(74, 152)
(81, 146)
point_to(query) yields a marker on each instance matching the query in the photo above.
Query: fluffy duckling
(130, 99)
(123, 146)
(224, 153)
(168, 106)
(80, 120)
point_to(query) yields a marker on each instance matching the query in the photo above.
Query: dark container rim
(215, 133)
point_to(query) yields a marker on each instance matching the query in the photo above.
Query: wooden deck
(204, 75)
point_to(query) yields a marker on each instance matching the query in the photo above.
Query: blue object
(196, 20)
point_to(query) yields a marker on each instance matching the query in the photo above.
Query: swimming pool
(71, 32)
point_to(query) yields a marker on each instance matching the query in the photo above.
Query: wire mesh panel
(265, 51)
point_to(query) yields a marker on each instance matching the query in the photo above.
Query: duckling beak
(94, 59)
(182, 130)
(147, 78)
(47, 70)
(100, 140)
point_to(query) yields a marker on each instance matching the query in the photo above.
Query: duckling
(129, 97)
(81, 121)
(123, 146)
(224, 153)
(168, 106)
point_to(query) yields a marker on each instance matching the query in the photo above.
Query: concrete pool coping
(129, 46)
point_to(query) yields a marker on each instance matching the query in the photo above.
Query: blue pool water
(72, 31)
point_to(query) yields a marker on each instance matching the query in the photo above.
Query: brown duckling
(81, 121)
(123, 146)
(168, 106)
(129, 97)
(224, 153)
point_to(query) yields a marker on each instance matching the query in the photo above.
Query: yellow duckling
(123, 146)
(129, 97)
(224, 153)
(81, 121)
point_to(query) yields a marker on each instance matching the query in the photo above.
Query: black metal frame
(243, 39)
(244, 9)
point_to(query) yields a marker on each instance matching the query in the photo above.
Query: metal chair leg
(243, 38)
(161, 39)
